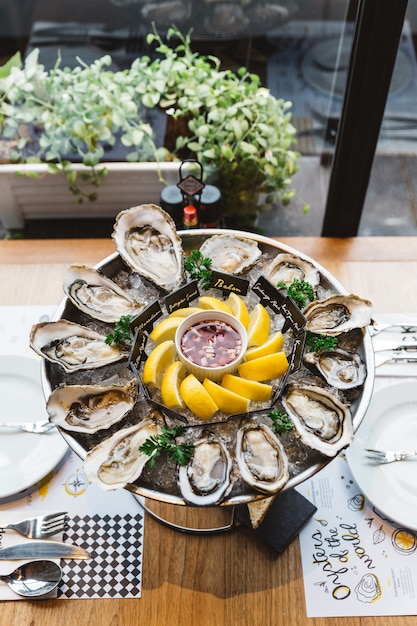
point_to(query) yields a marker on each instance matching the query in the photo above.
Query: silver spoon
(33, 579)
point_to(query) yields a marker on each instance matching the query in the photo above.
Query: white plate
(389, 424)
(25, 458)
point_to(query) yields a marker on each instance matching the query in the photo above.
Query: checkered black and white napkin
(115, 546)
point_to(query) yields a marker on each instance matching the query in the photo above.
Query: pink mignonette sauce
(211, 343)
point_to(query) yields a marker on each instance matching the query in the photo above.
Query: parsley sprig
(315, 343)
(199, 268)
(122, 332)
(180, 453)
(300, 291)
(281, 422)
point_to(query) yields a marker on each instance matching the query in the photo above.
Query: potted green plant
(241, 134)
(234, 127)
(67, 122)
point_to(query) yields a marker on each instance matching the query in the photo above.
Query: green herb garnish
(281, 422)
(199, 268)
(180, 453)
(300, 291)
(320, 342)
(122, 332)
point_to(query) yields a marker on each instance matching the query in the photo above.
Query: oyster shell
(286, 268)
(339, 368)
(205, 481)
(73, 346)
(89, 408)
(261, 458)
(323, 422)
(337, 314)
(97, 295)
(231, 254)
(146, 239)
(117, 461)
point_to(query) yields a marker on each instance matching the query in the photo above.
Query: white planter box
(48, 196)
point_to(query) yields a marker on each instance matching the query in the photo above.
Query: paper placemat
(351, 562)
(109, 525)
(15, 325)
(351, 565)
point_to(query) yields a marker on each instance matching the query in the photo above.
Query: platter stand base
(287, 514)
(192, 520)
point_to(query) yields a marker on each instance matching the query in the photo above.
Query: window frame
(378, 28)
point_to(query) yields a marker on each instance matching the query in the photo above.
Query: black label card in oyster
(137, 352)
(228, 283)
(296, 356)
(182, 297)
(293, 316)
(146, 319)
(271, 297)
(294, 363)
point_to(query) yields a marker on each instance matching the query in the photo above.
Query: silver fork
(389, 456)
(40, 527)
(375, 328)
(30, 427)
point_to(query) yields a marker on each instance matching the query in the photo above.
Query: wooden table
(231, 578)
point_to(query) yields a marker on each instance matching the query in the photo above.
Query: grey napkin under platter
(283, 521)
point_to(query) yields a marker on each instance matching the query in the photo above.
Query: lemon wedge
(265, 367)
(198, 400)
(226, 400)
(259, 325)
(170, 385)
(209, 302)
(185, 311)
(238, 308)
(274, 343)
(165, 329)
(157, 362)
(251, 389)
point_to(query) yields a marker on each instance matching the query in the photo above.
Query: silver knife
(41, 549)
(381, 345)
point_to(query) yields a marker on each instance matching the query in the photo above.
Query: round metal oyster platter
(160, 482)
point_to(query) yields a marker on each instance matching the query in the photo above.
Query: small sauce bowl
(210, 344)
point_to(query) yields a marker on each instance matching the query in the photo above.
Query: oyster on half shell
(73, 346)
(322, 421)
(117, 461)
(205, 480)
(286, 268)
(89, 408)
(339, 368)
(230, 253)
(337, 314)
(147, 240)
(261, 458)
(97, 295)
